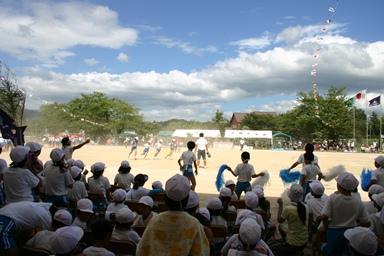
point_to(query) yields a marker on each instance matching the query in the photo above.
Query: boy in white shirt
(189, 158)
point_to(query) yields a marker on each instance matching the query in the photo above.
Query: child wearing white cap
(203, 216)
(158, 145)
(84, 212)
(172, 149)
(362, 241)
(64, 240)
(18, 180)
(124, 178)
(215, 208)
(295, 229)
(193, 203)
(33, 161)
(145, 210)
(78, 191)
(118, 202)
(378, 174)
(123, 229)
(99, 183)
(231, 185)
(244, 173)
(376, 225)
(138, 190)
(369, 206)
(58, 178)
(84, 173)
(337, 219)
(147, 146)
(61, 218)
(316, 204)
(192, 239)
(101, 234)
(309, 172)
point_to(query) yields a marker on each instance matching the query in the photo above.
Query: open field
(161, 168)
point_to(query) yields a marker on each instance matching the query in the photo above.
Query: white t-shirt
(378, 175)
(57, 182)
(376, 225)
(371, 209)
(309, 196)
(130, 235)
(136, 194)
(311, 171)
(218, 220)
(139, 221)
(78, 223)
(188, 157)
(244, 172)
(68, 150)
(201, 142)
(97, 251)
(113, 208)
(124, 180)
(233, 241)
(28, 215)
(300, 160)
(99, 185)
(18, 183)
(339, 217)
(315, 206)
(41, 239)
(78, 191)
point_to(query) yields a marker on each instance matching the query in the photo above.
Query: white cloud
(47, 31)
(123, 57)
(91, 62)
(253, 43)
(184, 46)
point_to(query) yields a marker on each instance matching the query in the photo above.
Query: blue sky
(187, 59)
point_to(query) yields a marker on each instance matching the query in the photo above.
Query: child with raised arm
(189, 158)
(244, 173)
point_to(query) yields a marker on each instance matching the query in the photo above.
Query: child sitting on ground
(123, 229)
(145, 210)
(101, 234)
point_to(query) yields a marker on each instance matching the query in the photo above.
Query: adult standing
(68, 149)
(242, 144)
(202, 150)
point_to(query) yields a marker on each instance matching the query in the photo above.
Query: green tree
(220, 122)
(374, 125)
(259, 122)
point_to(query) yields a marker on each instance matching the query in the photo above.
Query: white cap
(34, 146)
(157, 184)
(380, 160)
(258, 191)
(177, 187)
(85, 205)
(229, 182)
(379, 199)
(19, 153)
(79, 164)
(251, 200)
(204, 212)
(160, 140)
(295, 193)
(65, 239)
(193, 200)
(317, 187)
(375, 189)
(75, 171)
(64, 217)
(70, 162)
(124, 215)
(347, 181)
(244, 214)
(56, 154)
(119, 195)
(226, 192)
(125, 164)
(97, 167)
(147, 200)
(214, 203)
(250, 231)
(362, 240)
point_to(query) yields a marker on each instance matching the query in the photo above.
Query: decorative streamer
(333, 172)
(366, 176)
(220, 177)
(74, 116)
(313, 73)
(289, 177)
(261, 180)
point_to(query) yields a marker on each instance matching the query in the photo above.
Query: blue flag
(374, 102)
(6, 126)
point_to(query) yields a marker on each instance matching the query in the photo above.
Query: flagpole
(380, 127)
(366, 112)
(354, 123)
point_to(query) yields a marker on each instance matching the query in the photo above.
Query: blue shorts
(188, 172)
(337, 244)
(242, 186)
(158, 150)
(134, 148)
(7, 228)
(53, 199)
(146, 150)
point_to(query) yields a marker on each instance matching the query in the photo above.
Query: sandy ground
(270, 160)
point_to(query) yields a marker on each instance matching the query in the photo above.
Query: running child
(146, 149)
(134, 143)
(158, 148)
(172, 148)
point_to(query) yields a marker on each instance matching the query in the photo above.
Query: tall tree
(259, 121)
(220, 121)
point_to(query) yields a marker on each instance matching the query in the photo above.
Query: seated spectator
(203, 216)
(361, 241)
(78, 191)
(369, 206)
(138, 191)
(193, 203)
(118, 202)
(101, 234)
(123, 229)
(231, 185)
(84, 213)
(99, 183)
(316, 204)
(64, 240)
(145, 210)
(215, 208)
(124, 178)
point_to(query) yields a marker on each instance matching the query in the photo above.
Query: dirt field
(161, 168)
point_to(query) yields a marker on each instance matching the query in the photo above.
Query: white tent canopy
(196, 133)
(248, 134)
